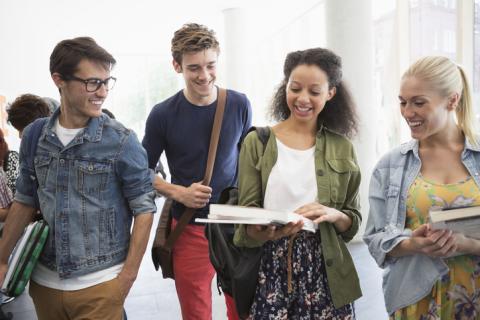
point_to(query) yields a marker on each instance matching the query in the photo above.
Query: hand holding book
(319, 213)
(272, 232)
(425, 241)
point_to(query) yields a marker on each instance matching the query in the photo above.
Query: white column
(234, 51)
(349, 30)
(465, 36)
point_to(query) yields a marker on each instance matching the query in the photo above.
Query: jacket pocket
(109, 238)
(340, 176)
(42, 166)
(92, 177)
(392, 191)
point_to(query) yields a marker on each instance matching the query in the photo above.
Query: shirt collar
(412, 145)
(92, 132)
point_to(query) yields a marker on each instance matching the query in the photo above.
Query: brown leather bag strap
(212, 153)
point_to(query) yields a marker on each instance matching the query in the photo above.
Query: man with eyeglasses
(93, 180)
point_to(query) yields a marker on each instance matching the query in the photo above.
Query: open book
(222, 213)
(15, 256)
(465, 220)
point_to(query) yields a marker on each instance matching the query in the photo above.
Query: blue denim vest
(407, 279)
(89, 192)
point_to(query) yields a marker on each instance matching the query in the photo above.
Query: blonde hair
(447, 77)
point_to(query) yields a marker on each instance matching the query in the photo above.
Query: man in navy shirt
(181, 126)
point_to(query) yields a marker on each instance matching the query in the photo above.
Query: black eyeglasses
(93, 84)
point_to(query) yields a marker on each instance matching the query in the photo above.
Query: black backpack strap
(263, 134)
(32, 142)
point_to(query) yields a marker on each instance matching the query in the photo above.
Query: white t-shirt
(51, 279)
(65, 135)
(292, 181)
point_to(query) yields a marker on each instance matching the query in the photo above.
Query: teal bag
(28, 259)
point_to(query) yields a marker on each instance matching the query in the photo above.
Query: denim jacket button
(329, 262)
(62, 161)
(90, 167)
(320, 172)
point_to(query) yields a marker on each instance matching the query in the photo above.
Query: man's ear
(177, 66)
(58, 80)
(453, 101)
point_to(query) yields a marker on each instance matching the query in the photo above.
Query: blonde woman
(428, 274)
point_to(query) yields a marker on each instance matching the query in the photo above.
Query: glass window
(384, 13)
(476, 58)
(142, 82)
(432, 28)
(307, 30)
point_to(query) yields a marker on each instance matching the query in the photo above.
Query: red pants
(194, 274)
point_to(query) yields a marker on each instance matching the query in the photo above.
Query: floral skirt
(292, 282)
(455, 296)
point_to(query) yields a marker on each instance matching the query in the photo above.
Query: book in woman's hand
(465, 220)
(221, 213)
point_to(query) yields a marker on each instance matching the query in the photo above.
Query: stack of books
(221, 213)
(465, 220)
(15, 256)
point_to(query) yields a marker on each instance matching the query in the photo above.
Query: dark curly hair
(192, 37)
(339, 113)
(25, 109)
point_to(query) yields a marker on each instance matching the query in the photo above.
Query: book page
(470, 227)
(229, 212)
(454, 213)
(235, 221)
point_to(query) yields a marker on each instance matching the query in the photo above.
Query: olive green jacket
(338, 181)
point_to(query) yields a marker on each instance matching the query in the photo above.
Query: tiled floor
(152, 297)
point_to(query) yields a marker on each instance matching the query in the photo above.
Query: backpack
(237, 268)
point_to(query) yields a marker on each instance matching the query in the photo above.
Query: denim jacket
(89, 191)
(338, 181)
(407, 279)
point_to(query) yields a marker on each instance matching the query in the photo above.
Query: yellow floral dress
(457, 294)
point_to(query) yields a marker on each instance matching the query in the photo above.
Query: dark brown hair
(67, 54)
(26, 109)
(339, 113)
(192, 37)
(3, 148)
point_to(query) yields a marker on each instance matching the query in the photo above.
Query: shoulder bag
(165, 237)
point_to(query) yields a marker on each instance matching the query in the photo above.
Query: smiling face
(427, 112)
(307, 93)
(78, 105)
(199, 70)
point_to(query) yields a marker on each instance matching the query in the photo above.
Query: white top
(51, 279)
(65, 135)
(292, 182)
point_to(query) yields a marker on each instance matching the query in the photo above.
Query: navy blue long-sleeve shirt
(183, 130)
